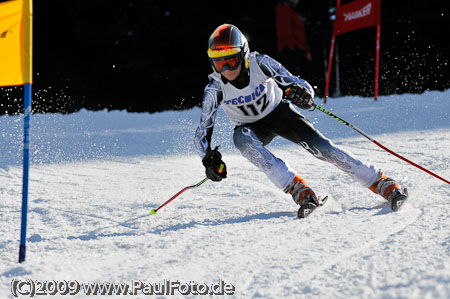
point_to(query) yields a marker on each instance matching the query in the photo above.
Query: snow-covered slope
(95, 176)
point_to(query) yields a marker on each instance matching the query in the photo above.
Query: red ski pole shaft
(379, 144)
(154, 211)
(410, 162)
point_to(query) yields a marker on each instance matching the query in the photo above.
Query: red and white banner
(356, 15)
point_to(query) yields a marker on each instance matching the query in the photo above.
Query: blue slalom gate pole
(26, 167)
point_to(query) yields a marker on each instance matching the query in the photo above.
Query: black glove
(300, 96)
(216, 170)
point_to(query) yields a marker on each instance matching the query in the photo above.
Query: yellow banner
(16, 42)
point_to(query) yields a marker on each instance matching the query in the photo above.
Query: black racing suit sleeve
(279, 73)
(212, 96)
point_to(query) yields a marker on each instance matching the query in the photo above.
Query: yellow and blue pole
(26, 169)
(27, 24)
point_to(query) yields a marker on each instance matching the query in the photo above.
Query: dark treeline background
(150, 55)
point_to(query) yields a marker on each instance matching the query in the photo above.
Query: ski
(399, 200)
(307, 209)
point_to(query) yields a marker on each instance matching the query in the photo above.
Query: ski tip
(153, 212)
(323, 200)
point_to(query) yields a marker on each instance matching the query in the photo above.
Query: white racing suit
(260, 113)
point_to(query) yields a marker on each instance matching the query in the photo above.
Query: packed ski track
(95, 176)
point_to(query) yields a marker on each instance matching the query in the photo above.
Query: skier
(256, 93)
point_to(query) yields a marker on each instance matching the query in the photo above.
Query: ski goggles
(230, 63)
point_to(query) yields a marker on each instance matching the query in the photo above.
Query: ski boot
(398, 198)
(391, 191)
(309, 205)
(303, 196)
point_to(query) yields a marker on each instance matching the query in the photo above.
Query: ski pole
(154, 211)
(377, 143)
